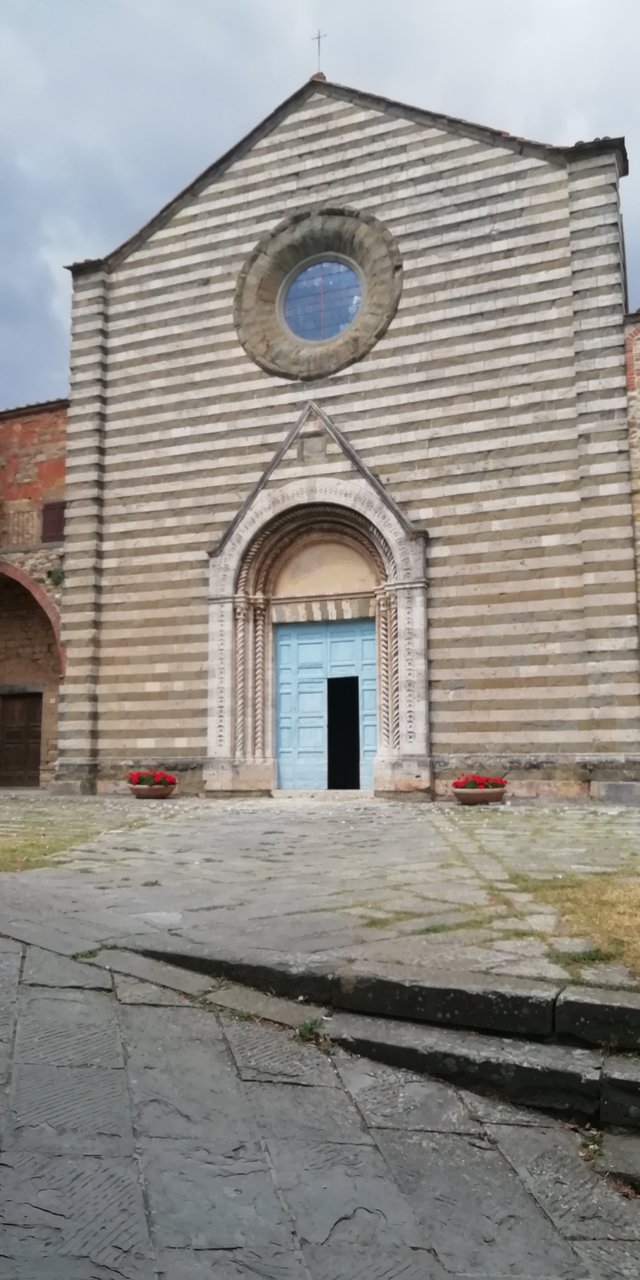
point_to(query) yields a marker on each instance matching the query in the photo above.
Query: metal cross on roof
(320, 36)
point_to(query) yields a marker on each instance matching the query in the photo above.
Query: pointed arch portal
(246, 603)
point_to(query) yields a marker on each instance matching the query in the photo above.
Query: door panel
(20, 738)
(307, 655)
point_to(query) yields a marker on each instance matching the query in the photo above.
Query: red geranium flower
(478, 781)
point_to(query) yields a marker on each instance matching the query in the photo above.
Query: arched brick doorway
(31, 666)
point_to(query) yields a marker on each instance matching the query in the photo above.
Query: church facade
(349, 490)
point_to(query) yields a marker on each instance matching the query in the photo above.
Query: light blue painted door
(307, 655)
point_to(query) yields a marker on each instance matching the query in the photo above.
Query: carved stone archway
(242, 609)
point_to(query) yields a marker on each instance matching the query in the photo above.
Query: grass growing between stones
(392, 917)
(37, 848)
(604, 908)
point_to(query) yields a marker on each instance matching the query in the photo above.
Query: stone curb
(603, 1018)
(548, 1076)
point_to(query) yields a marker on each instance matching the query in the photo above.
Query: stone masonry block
(607, 1018)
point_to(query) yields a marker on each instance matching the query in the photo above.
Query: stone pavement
(431, 887)
(147, 1136)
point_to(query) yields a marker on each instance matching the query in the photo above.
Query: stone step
(551, 1077)
(605, 1018)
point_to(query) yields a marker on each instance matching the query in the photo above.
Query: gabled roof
(318, 84)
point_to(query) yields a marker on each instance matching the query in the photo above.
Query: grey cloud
(108, 107)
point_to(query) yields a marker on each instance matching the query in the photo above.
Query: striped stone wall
(493, 410)
(632, 344)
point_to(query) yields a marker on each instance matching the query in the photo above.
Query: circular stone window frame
(297, 271)
(325, 232)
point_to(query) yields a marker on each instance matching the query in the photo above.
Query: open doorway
(343, 733)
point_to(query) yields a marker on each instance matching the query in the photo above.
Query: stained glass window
(322, 300)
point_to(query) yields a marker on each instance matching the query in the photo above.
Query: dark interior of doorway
(343, 733)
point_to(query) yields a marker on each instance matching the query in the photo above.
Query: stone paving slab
(179, 1102)
(78, 1207)
(205, 1197)
(312, 1114)
(465, 1183)
(265, 1053)
(68, 1032)
(548, 1162)
(146, 970)
(233, 1264)
(611, 1260)
(131, 991)
(418, 1104)
(62, 1109)
(231, 995)
(39, 1268)
(46, 969)
(327, 1184)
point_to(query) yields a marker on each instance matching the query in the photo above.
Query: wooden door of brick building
(20, 739)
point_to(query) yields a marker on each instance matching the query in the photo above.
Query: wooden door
(20, 738)
(307, 655)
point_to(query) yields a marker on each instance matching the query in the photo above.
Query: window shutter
(53, 521)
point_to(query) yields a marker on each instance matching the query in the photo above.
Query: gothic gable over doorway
(312, 429)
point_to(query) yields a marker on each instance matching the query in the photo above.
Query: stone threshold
(331, 796)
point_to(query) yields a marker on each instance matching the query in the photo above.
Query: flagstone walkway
(432, 887)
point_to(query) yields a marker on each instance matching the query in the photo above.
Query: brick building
(32, 477)
(350, 489)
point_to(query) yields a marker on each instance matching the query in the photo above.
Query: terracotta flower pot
(157, 792)
(479, 795)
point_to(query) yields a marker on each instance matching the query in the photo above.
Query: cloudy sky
(109, 107)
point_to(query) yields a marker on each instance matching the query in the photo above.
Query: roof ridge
(38, 405)
(332, 88)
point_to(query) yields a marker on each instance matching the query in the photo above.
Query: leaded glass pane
(322, 300)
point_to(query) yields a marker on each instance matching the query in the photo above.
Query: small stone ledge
(622, 793)
(608, 1019)
(552, 1077)
(510, 1006)
(599, 1017)
(619, 1157)
(621, 1092)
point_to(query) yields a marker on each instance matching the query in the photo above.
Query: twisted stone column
(260, 609)
(394, 699)
(382, 623)
(240, 610)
